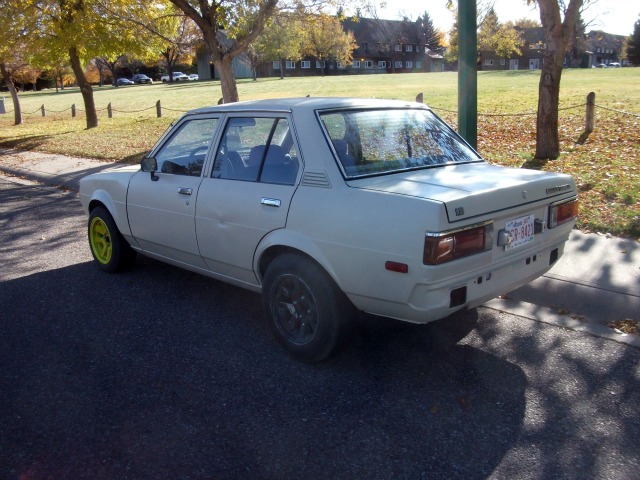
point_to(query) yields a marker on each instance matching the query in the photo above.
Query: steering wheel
(197, 150)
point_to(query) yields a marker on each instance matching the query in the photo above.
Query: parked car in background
(193, 76)
(601, 65)
(614, 65)
(177, 77)
(121, 82)
(141, 78)
(329, 206)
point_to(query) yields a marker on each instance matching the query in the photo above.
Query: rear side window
(257, 149)
(369, 142)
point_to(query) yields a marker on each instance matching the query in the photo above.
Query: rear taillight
(446, 246)
(562, 212)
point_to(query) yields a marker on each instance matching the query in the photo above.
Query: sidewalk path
(595, 282)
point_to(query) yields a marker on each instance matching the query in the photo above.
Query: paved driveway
(162, 374)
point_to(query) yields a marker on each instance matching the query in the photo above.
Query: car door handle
(185, 191)
(270, 202)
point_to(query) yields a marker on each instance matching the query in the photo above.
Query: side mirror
(150, 164)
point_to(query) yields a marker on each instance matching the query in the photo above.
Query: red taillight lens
(441, 248)
(562, 213)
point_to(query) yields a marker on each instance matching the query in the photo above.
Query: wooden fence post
(158, 109)
(591, 112)
(420, 98)
(109, 111)
(44, 112)
(73, 110)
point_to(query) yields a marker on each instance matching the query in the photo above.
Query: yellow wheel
(100, 240)
(108, 247)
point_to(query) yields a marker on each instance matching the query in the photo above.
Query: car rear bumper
(430, 302)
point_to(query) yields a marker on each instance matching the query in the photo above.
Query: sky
(611, 16)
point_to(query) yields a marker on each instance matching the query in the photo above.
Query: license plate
(521, 230)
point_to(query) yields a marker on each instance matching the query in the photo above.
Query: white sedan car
(331, 205)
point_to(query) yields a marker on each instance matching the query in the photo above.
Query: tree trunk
(547, 139)
(227, 80)
(85, 89)
(282, 69)
(17, 110)
(557, 34)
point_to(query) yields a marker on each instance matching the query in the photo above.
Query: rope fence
(590, 104)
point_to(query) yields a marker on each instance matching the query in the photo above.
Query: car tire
(110, 250)
(306, 311)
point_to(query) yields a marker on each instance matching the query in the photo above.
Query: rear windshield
(374, 142)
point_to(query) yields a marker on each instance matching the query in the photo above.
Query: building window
(290, 65)
(409, 48)
(398, 48)
(488, 62)
(365, 46)
(356, 64)
(382, 64)
(276, 65)
(398, 63)
(409, 64)
(341, 65)
(368, 64)
(502, 61)
(319, 64)
(305, 64)
(418, 64)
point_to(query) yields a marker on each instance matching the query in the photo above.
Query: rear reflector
(396, 267)
(560, 213)
(444, 247)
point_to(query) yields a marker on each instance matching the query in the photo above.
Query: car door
(161, 207)
(247, 194)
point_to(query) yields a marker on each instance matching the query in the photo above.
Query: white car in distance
(331, 205)
(177, 77)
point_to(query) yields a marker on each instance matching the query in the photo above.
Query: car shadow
(161, 373)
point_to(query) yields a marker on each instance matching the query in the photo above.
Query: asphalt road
(162, 374)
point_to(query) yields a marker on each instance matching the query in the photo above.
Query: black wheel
(307, 312)
(110, 250)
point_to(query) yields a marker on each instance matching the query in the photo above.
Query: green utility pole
(467, 72)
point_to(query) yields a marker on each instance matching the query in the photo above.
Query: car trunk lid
(472, 190)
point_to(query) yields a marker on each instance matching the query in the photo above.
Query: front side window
(373, 142)
(186, 150)
(257, 149)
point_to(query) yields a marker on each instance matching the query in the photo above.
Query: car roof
(306, 103)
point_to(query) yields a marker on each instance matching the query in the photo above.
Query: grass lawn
(606, 167)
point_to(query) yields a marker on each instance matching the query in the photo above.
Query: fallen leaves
(627, 326)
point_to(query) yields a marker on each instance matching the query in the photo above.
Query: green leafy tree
(17, 20)
(633, 44)
(484, 7)
(326, 40)
(501, 39)
(281, 40)
(86, 29)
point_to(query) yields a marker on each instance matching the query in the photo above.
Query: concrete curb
(552, 317)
